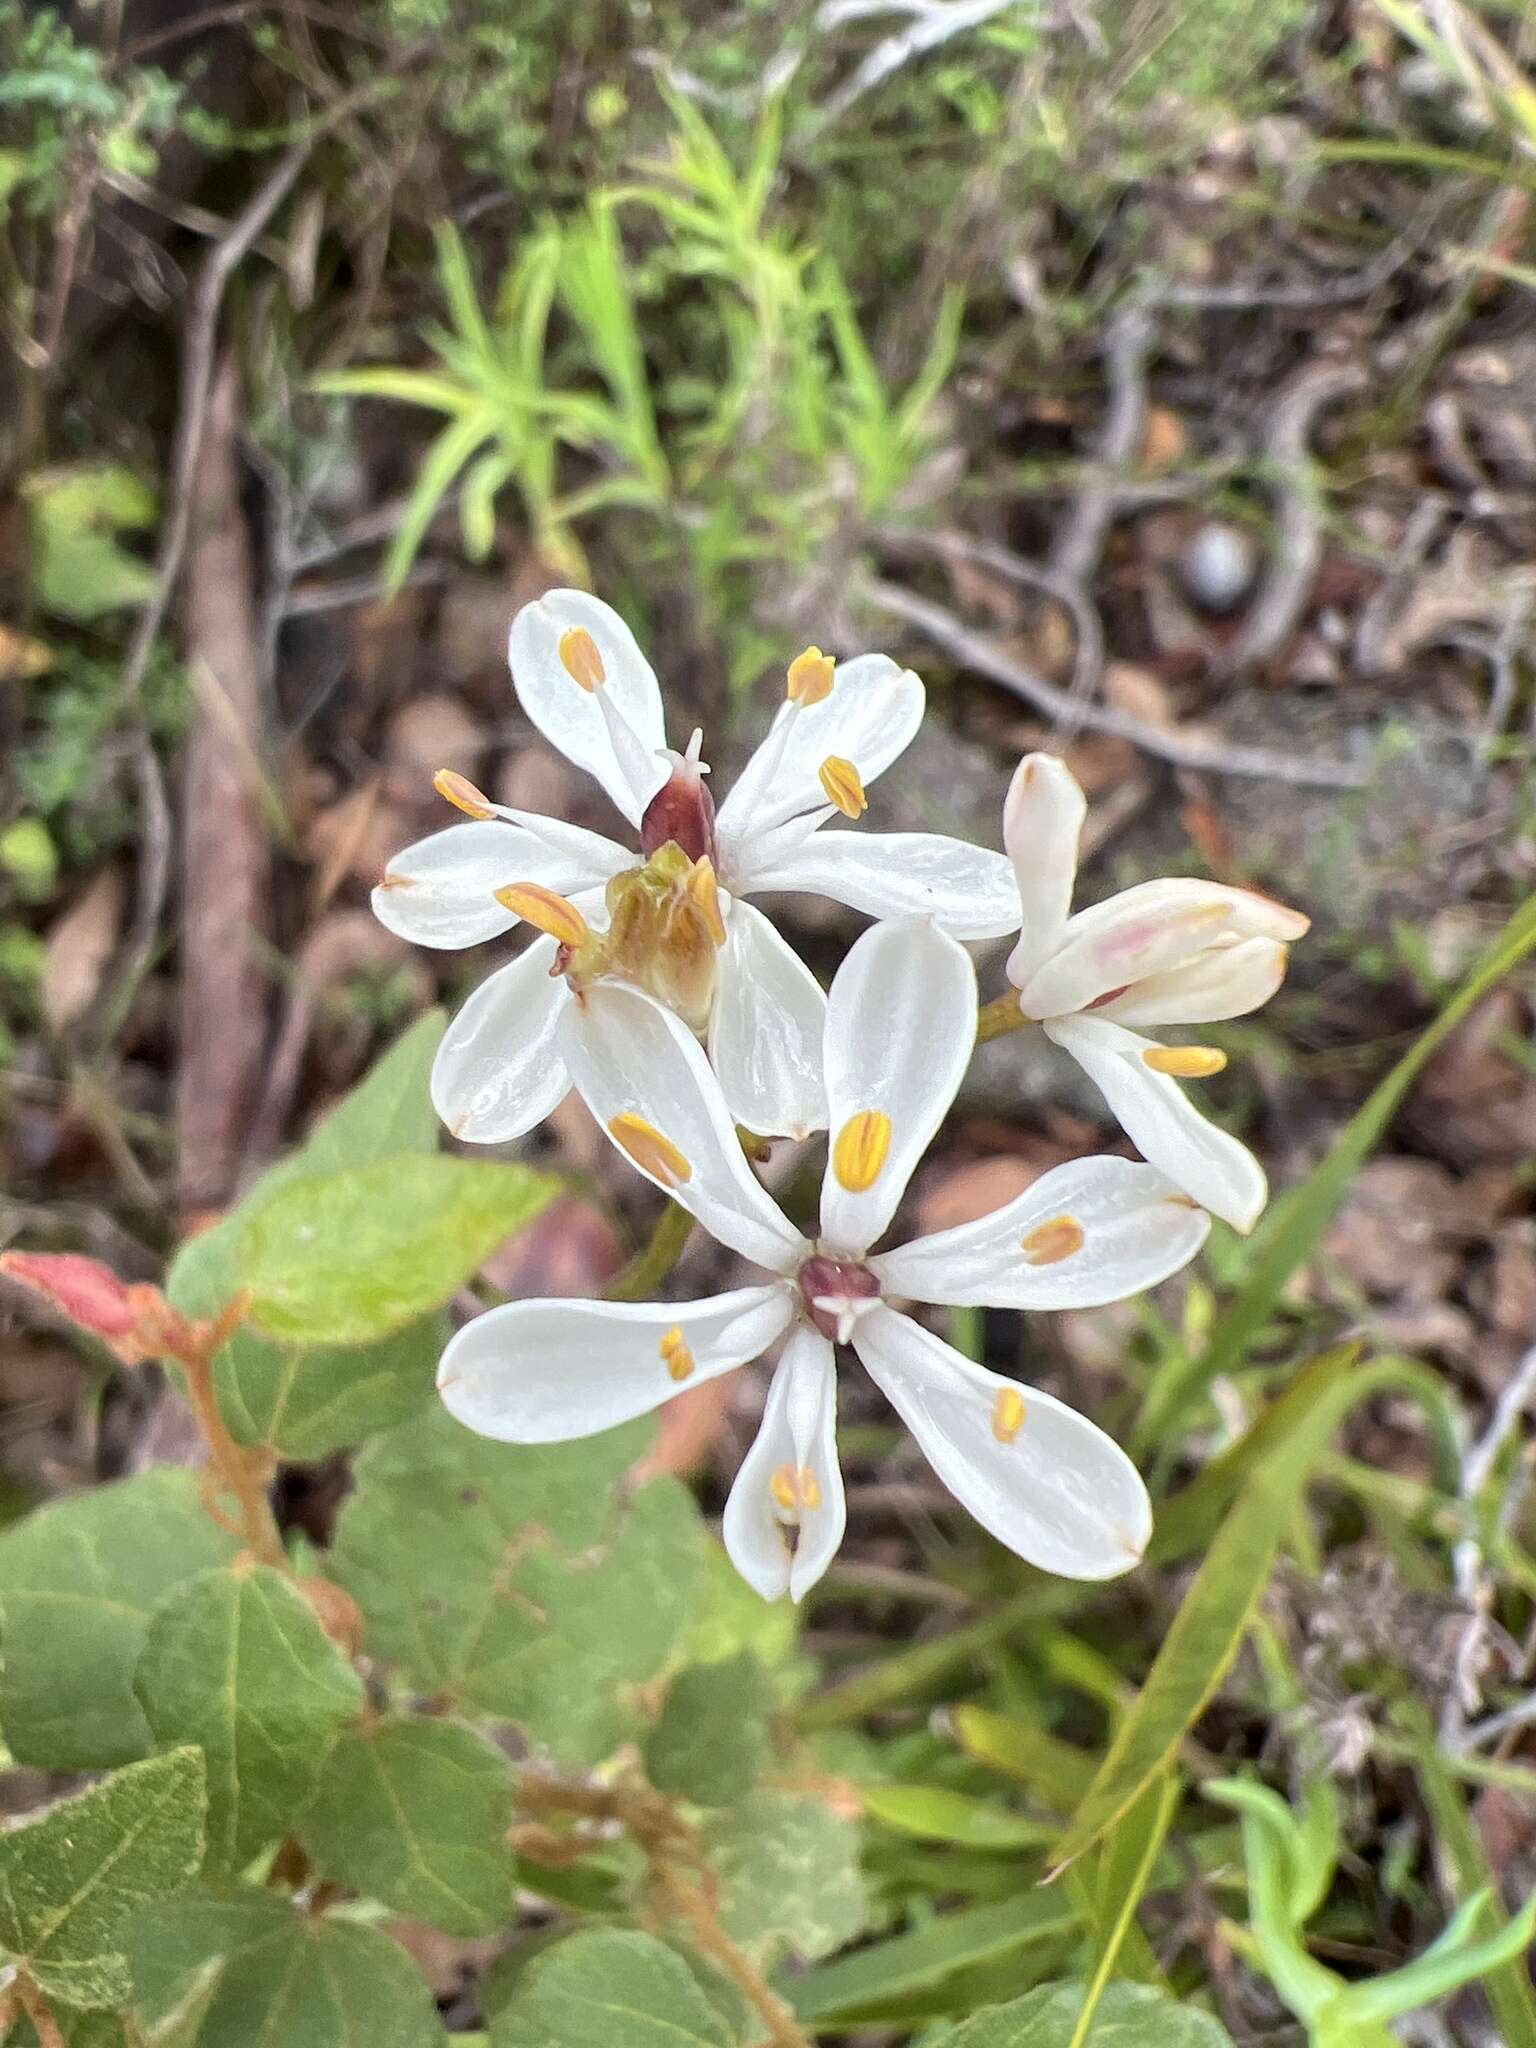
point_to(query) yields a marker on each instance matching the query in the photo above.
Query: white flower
(1172, 952)
(901, 1021)
(585, 684)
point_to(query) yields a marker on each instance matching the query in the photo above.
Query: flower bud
(132, 1321)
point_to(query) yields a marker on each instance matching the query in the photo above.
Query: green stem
(1000, 1016)
(655, 1260)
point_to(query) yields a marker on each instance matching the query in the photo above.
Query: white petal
(1148, 929)
(498, 1071)
(442, 891)
(966, 891)
(1042, 823)
(765, 1032)
(542, 1372)
(1061, 1493)
(1135, 1229)
(870, 717)
(592, 856)
(1227, 981)
(901, 1023)
(574, 719)
(799, 1431)
(1163, 1123)
(632, 1058)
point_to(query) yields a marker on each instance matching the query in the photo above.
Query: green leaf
(71, 1879)
(77, 1582)
(933, 1813)
(520, 1582)
(415, 1812)
(1460, 1844)
(712, 1740)
(1198, 1648)
(863, 1986)
(237, 1662)
(607, 1989)
(788, 1870)
(307, 1400)
(267, 1973)
(1053, 1770)
(1295, 1225)
(81, 572)
(1129, 2016)
(345, 1258)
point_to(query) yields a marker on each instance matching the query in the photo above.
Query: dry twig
(1214, 757)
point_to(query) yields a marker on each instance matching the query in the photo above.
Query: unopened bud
(135, 1322)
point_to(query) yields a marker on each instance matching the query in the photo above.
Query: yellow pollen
(651, 1152)
(860, 1150)
(542, 907)
(703, 891)
(840, 780)
(796, 1492)
(579, 658)
(1184, 1062)
(675, 1355)
(810, 677)
(1050, 1242)
(1007, 1414)
(462, 794)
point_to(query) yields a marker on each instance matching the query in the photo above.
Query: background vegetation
(1156, 376)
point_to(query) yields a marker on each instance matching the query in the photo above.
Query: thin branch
(655, 1259)
(1075, 556)
(1297, 548)
(1211, 757)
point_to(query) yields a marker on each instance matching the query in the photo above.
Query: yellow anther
(810, 677)
(1007, 1414)
(462, 794)
(675, 1355)
(840, 780)
(579, 658)
(1049, 1242)
(651, 1152)
(796, 1490)
(544, 908)
(704, 891)
(860, 1150)
(1184, 1062)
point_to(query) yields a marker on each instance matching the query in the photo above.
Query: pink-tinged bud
(682, 810)
(87, 1292)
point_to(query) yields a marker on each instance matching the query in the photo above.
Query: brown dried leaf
(79, 944)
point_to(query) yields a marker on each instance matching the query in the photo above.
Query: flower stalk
(679, 1882)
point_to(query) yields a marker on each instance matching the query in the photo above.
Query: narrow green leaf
(1316, 1401)
(72, 1878)
(608, 1989)
(1202, 1641)
(415, 1812)
(1295, 1225)
(78, 1580)
(933, 1813)
(349, 1257)
(267, 1973)
(1052, 1769)
(1455, 1960)
(237, 1662)
(858, 1986)
(1509, 1988)
(1126, 1859)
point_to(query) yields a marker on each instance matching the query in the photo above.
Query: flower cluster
(677, 1011)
